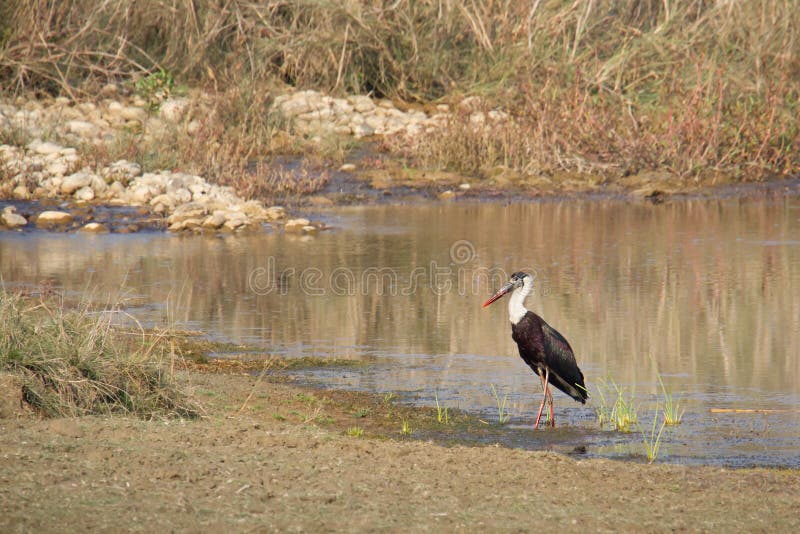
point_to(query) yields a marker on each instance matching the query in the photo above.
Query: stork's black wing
(564, 371)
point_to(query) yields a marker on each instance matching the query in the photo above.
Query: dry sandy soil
(272, 456)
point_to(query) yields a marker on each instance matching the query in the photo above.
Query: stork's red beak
(502, 291)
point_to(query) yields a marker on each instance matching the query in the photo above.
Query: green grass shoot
(502, 413)
(406, 429)
(355, 431)
(652, 440)
(442, 415)
(673, 412)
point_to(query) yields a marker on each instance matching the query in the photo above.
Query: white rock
(82, 128)
(95, 228)
(98, 184)
(11, 219)
(193, 127)
(347, 167)
(164, 199)
(84, 194)
(215, 220)
(21, 192)
(133, 113)
(296, 225)
(44, 148)
(57, 168)
(362, 103)
(174, 109)
(362, 130)
(276, 212)
(141, 194)
(75, 181)
(51, 218)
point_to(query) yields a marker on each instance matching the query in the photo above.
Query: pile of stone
(312, 112)
(45, 170)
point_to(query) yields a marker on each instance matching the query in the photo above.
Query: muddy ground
(270, 455)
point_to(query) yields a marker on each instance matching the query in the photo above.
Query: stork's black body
(541, 346)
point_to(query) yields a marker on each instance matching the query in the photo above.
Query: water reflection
(703, 291)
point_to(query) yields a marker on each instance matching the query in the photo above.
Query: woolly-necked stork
(541, 346)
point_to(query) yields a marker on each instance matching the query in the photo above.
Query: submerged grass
(73, 362)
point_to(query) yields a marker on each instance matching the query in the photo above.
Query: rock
(122, 171)
(233, 224)
(166, 200)
(53, 218)
(347, 167)
(21, 192)
(296, 225)
(44, 148)
(84, 194)
(98, 184)
(275, 213)
(174, 109)
(361, 103)
(215, 220)
(447, 195)
(464, 186)
(362, 130)
(109, 90)
(75, 181)
(82, 128)
(309, 229)
(191, 210)
(57, 168)
(133, 113)
(255, 210)
(11, 219)
(95, 228)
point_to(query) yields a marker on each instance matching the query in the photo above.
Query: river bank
(258, 462)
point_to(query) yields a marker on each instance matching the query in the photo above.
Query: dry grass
(234, 141)
(595, 86)
(74, 362)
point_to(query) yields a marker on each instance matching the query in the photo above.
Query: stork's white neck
(516, 305)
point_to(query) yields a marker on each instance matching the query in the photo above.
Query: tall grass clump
(622, 413)
(73, 362)
(672, 411)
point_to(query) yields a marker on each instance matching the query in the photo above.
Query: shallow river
(704, 293)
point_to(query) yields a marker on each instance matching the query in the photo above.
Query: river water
(703, 293)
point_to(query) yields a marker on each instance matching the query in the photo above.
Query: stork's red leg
(545, 395)
(550, 404)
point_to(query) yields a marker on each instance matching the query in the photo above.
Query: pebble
(53, 218)
(11, 219)
(296, 225)
(95, 228)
